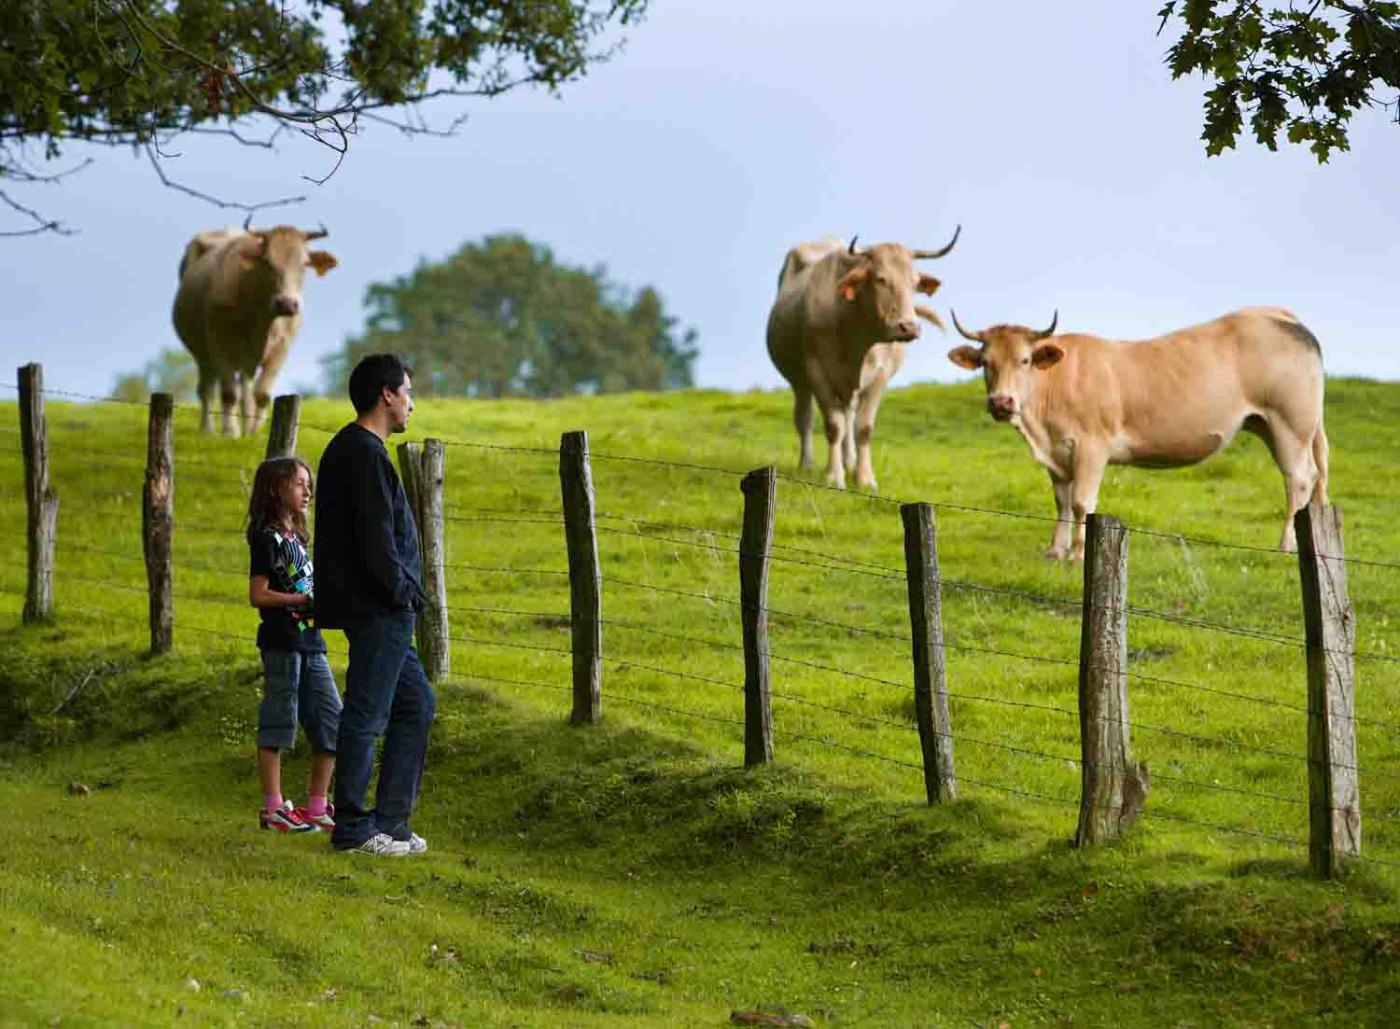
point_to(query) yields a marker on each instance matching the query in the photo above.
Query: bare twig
(172, 184)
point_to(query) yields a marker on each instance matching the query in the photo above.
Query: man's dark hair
(374, 373)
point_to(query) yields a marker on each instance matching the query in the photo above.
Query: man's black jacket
(367, 558)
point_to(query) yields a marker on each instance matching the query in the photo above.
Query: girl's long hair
(265, 507)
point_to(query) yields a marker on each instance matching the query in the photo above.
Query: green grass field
(633, 873)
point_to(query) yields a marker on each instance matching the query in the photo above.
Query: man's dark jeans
(386, 693)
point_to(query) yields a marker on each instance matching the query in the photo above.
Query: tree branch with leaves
(145, 72)
(1300, 70)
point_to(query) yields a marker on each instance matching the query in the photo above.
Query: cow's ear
(1047, 355)
(966, 357)
(927, 284)
(851, 282)
(321, 260)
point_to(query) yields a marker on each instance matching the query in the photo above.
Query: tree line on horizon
(499, 318)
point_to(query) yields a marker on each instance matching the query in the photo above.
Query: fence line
(761, 552)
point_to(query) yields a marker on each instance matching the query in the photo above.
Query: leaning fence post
(158, 520)
(1334, 793)
(585, 577)
(282, 435)
(1112, 787)
(760, 488)
(42, 502)
(930, 678)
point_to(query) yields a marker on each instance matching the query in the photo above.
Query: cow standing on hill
(1082, 403)
(837, 331)
(238, 309)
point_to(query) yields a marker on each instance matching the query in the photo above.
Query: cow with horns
(837, 332)
(237, 310)
(1082, 403)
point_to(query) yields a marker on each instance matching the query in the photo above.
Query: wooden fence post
(282, 435)
(760, 488)
(433, 629)
(930, 669)
(1334, 792)
(42, 502)
(1112, 787)
(158, 520)
(585, 577)
(421, 470)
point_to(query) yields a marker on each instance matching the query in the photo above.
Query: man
(370, 571)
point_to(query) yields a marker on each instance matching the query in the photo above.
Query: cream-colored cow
(1082, 403)
(237, 311)
(837, 332)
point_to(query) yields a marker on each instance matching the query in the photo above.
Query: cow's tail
(1320, 454)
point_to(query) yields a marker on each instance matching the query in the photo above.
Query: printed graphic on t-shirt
(295, 574)
(283, 558)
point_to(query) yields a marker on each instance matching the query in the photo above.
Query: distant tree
(502, 318)
(1302, 69)
(144, 72)
(171, 371)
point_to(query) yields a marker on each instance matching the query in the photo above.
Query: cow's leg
(870, 398)
(1320, 458)
(1293, 453)
(834, 419)
(228, 399)
(247, 415)
(207, 381)
(802, 419)
(1089, 467)
(848, 439)
(1064, 513)
(273, 359)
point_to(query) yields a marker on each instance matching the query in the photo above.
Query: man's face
(400, 402)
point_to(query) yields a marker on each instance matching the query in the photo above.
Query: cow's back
(790, 316)
(1184, 395)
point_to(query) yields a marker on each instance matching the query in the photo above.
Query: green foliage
(172, 371)
(1301, 70)
(502, 318)
(141, 72)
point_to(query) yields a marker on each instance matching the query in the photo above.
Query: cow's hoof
(1054, 554)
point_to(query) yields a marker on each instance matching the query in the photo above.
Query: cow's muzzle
(285, 306)
(1001, 408)
(906, 331)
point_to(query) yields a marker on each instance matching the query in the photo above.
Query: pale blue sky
(722, 135)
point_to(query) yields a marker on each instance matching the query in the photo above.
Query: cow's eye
(1025, 360)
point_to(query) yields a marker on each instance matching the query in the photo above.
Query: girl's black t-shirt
(283, 558)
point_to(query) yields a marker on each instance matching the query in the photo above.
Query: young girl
(297, 681)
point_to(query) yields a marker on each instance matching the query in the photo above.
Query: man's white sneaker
(383, 845)
(416, 844)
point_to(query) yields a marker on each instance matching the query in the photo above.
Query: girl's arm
(259, 595)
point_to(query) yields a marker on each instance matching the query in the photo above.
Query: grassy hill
(633, 873)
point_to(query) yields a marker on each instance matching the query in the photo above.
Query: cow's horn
(247, 221)
(317, 233)
(920, 254)
(976, 337)
(1050, 331)
(852, 248)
